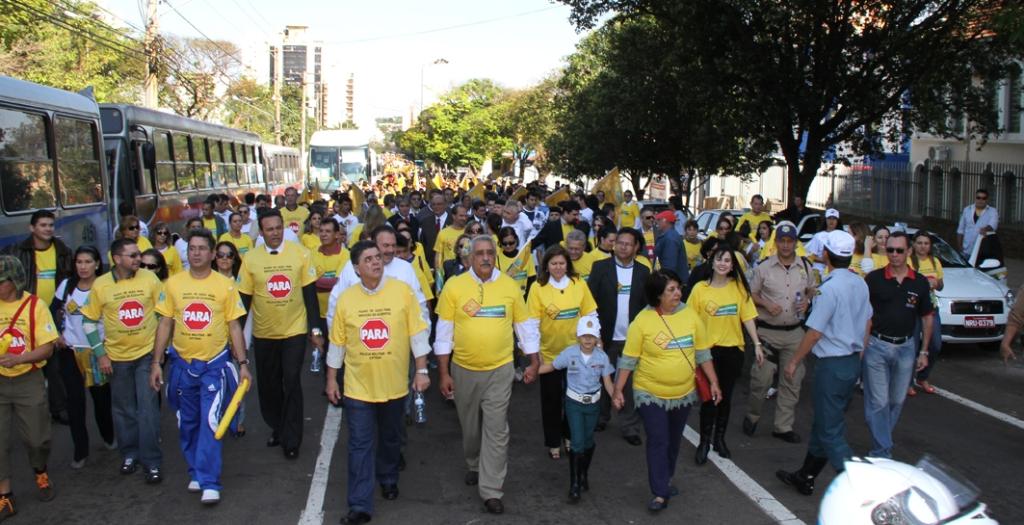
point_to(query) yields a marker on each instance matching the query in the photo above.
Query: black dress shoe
(291, 453)
(273, 442)
(356, 518)
(634, 440)
(749, 427)
(657, 506)
(61, 418)
(599, 427)
(472, 478)
(803, 484)
(788, 437)
(389, 492)
(494, 506)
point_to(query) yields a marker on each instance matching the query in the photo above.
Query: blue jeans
(834, 381)
(887, 372)
(582, 419)
(374, 444)
(136, 411)
(664, 429)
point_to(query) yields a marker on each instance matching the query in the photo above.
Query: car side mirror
(989, 264)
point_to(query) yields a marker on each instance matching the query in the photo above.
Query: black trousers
(552, 403)
(55, 393)
(728, 362)
(279, 385)
(74, 386)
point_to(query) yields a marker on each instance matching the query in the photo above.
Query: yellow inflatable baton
(5, 342)
(229, 412)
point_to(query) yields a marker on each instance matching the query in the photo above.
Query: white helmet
(885, 492)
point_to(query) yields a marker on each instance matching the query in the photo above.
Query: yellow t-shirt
(644, 261)
(328, 267)
(353, 238)
(275, 283)
(755, 220)
(444, 245)
(44, 332)
(628, 213)
(558, 313)
(927, 266)
(483, 315)
(421, 276)
(520, 268)
(666, 356)
(243, 243)
(294, 219)
(174, 265)
(143, 244)
(648, 248)
(420, 261)
(375, 330)
(855, 264)
(692, 253)
(599, 255)
(201, 309)
(126, 309)
(46, 273)
(210, 224)
(722, 310)
(583, 265)
(311, 241)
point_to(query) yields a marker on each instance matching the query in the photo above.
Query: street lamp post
(423, 67)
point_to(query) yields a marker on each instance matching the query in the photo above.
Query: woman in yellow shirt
(160, 237)
(875, 246)
(724, 303)
(242, 242)
(860, 232)
(665, 344)
(516, 263)
(923, 260)
(556, 303)
(129, 229)
(311, 230)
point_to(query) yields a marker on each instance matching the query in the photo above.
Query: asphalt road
(260, 486)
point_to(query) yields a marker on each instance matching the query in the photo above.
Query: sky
(386, 44)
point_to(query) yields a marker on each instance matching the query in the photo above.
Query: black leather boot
(707, 425)
(718, 443)
(584, 467)
(803, 480)
(574, 479)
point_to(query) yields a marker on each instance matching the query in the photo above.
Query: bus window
(230, 158)
(202, 163)
(164, 162)
(254, 175)
(26, 168)
(183, 170)
(217, 159)
(78, 166)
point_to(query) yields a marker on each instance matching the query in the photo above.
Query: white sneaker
(772, 391)
(193, 486)
(210, 497)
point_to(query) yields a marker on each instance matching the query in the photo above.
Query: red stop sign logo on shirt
(131, 313)
(375, 334)
(17, 345)
(295, 226)
(279, 286)
(197, 316)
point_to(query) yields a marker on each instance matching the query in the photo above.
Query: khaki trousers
(482, 399)
(24, 400)
(761, 377)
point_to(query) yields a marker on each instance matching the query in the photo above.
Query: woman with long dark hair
(78, 368)
(923, 261)
(516, 263)
(556, 303)
(724, 303)
(227, 260)
(154, 261)
(160, 237)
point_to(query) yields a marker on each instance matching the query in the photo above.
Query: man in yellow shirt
(294, 216)
(328, 260)
(124, 300)
(377, 323)
(749, 222)
(582, 260)
(277, 280)
(476, 314)
(629, 212)
(28, 333)
(202, 309)
(444, 246)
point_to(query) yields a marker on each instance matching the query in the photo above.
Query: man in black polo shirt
(899, 297)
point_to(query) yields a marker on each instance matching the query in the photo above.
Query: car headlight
(1010, 298)
(910, 507)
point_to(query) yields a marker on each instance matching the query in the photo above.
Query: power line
(212, 41)
(446, 28)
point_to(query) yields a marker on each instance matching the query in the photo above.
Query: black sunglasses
(222, 255)
(890, 249)
(163, 232)
(152, 266)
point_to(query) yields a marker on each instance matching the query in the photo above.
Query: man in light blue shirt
(836, 334)
(976, 220)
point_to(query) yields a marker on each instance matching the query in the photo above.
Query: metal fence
(914, 191)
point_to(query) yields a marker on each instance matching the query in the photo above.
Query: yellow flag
(477, 193)
(558, 196)
(611, 185)
(518, 194)
(358, 198)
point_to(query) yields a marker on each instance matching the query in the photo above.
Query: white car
(973, 305)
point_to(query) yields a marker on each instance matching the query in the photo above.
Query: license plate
(979, 321)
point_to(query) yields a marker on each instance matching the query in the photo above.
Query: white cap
(831, 213)
(588, 326)
(840, 243)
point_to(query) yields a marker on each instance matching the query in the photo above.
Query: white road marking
(1005, 418)
(314, 511)
(761, 497)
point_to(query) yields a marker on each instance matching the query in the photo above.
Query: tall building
(350, 88)
(301, 57)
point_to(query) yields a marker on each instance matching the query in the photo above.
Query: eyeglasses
(222, 255)
(163, 232)
(890, 249)
(649, 217)
(152, 266)
(132, 228)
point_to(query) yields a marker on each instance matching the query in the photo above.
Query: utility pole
(278, 71)
(302, 115)
(150, 95)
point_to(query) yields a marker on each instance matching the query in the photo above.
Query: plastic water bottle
(317, 358)
(420, 405)
(799, 298)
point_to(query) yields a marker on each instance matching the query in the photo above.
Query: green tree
(832, 75)
(526, 118)
(200, 67)
(249, 105)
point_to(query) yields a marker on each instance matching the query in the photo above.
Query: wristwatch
(423, 371)
(244, 361)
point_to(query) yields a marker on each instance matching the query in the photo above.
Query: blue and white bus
(340, 157)
(51, 157)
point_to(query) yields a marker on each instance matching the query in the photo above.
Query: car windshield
(949, 257)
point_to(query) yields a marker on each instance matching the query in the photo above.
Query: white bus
(342, 155)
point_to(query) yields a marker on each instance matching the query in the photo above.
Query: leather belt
(890, 339)
(586, 399)
(784, 328)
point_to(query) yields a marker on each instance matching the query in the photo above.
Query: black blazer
(604, 285)
(428, 233)
(414, 224)
(551, 234)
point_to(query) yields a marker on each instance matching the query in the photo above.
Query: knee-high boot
(721, 423)
(574, 473)
(707, 425)
(584, 467)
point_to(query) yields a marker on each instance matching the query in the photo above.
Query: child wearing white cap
(587, 368)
